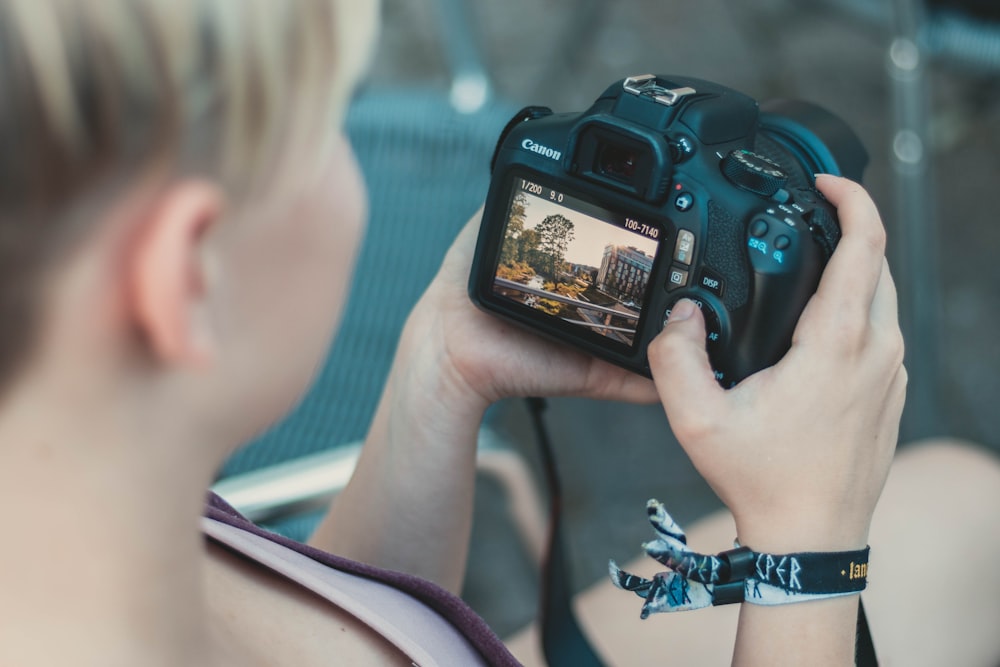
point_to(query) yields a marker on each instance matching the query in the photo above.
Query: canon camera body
(668, 187)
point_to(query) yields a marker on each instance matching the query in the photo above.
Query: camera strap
(696, 580)
(563, 642)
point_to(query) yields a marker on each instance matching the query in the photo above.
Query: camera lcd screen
(570, 260)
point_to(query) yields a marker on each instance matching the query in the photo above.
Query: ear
(169, 277)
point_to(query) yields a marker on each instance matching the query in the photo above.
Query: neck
(102, 557)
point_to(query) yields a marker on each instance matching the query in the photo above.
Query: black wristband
(823, 573)
(695, 581)
(808, 573)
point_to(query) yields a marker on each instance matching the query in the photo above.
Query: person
(179, 212)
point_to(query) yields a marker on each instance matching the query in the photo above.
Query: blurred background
(839, 54)
(918, 83)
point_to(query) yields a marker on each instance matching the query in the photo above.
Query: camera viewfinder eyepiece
(618, 155)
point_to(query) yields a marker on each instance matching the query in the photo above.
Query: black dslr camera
(668, 187)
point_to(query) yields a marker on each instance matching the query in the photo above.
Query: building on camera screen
(575, 261)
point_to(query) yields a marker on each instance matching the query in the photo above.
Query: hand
(493, 359)
(452, 362)
(799, 452)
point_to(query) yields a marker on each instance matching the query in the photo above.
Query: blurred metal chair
(963, 33)
(960, 32)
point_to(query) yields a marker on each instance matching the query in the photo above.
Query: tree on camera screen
(575, 261)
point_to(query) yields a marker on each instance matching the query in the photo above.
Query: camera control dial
(714, 334)
(752, 172)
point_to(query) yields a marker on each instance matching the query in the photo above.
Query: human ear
(168, 274)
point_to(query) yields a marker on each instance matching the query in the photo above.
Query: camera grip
(786, 265)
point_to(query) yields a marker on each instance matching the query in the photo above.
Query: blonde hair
(94, 92)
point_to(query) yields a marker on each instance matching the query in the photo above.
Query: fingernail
(683, 310)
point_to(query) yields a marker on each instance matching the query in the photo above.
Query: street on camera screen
(575, 261)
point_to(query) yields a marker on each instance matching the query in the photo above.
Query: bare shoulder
(262, 617)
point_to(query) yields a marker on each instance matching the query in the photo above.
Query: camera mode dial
(753, 172)
(714, 333)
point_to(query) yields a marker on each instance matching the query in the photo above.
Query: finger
(470, 231)
(459, 256)
(609, 382)
(681, 370)
(895, 399)
(852, 274)
(885, 306)
(898, 395)
(886, 348)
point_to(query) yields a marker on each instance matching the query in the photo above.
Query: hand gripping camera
(668, 187)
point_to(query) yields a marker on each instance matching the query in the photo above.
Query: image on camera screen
(574, 261)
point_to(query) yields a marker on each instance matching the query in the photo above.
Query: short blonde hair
(94, 92)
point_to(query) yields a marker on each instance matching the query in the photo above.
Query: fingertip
(836, 187)
(685, 321)
(682, 310)
(824, 179)
(856, 210)
(679, 362)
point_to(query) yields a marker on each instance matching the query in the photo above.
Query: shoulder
(274, 620)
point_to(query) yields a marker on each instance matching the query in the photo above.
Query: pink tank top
(428, 624)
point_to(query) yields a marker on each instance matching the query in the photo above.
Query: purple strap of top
(449, 606)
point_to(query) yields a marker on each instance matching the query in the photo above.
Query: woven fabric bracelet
(739, 575)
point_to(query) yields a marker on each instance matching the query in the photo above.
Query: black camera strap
(564, 643)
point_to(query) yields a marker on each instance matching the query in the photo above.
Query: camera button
(713, 327)
(805, 196)
(759, 228)
(681, 148)
(782, 242)
(711, 281)
(677, 278)
(684, 201)
(684, 249)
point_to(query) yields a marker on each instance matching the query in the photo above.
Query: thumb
(679, 364)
